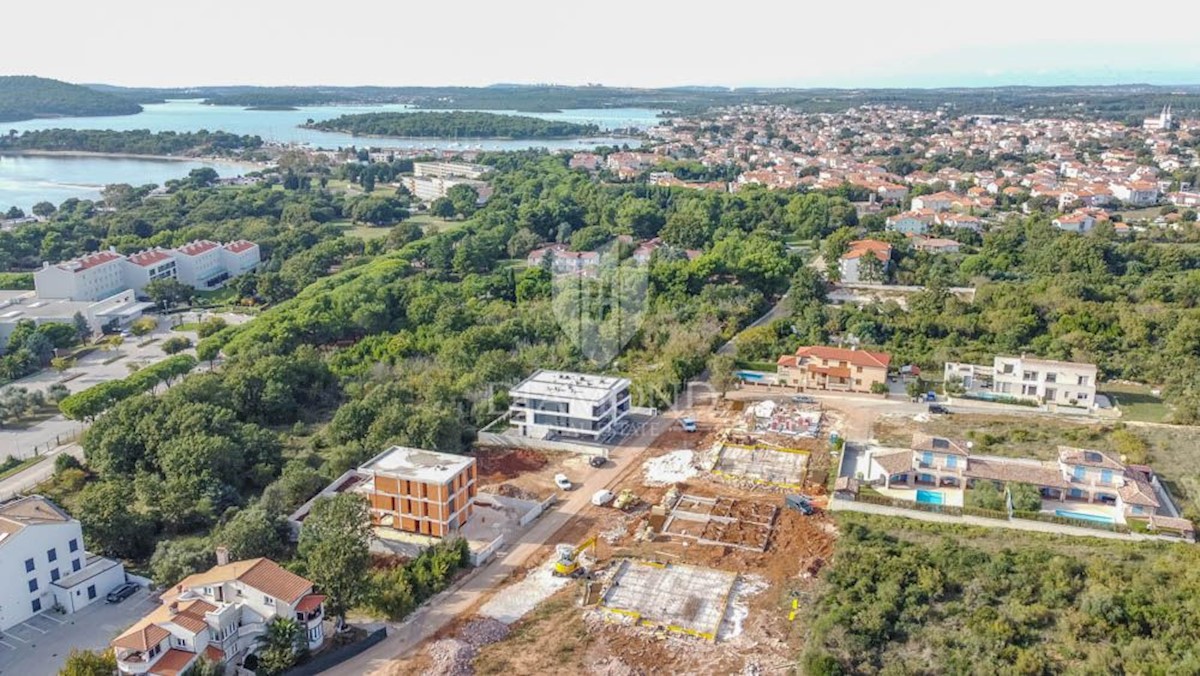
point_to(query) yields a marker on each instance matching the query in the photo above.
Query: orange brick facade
(434, 509)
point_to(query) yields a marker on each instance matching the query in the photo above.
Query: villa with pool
(1082, 484)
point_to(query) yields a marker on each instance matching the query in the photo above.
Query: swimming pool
(1083, 516)
(753, 376)
(929, 497)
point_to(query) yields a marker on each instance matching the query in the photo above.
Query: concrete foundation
(680, 598)
(775, 467)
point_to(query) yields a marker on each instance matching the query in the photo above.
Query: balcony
(134, 663)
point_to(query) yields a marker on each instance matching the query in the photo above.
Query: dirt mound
(498, 465)
(482, 631)
(452, 657)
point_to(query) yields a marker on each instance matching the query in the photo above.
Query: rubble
(452, 657)
(671, 468)
(482, 631)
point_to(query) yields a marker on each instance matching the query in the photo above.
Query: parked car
(122, 592)
(562, 482)
(938, 409)
(602, 497)
(597, 461)
(800, 503)
(688, 424)
(803, 399)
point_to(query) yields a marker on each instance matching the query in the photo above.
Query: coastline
(131, 156)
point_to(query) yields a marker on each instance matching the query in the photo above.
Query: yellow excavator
(568, 557)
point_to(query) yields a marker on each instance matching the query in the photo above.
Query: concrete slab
(763, 465)
(686, 599)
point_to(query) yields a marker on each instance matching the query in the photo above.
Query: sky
(640, 43)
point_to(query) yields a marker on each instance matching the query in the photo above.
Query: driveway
(41, 644)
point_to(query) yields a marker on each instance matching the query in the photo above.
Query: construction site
(701, 564)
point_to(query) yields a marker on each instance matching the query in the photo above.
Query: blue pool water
(929, 497)
(749, 375)
(1083, 516)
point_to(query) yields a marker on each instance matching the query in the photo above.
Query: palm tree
(280, 646)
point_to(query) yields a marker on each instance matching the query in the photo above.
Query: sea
(27, 180)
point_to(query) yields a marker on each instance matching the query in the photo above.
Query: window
(73, 545)
(54, 575)
(1083, 380)
(91, 591)
(952, 461)
(76, 565)
(37, 605)
(927, 458)
(29, 565)
(51, 555)
(268, 600)
(1078, 473)
(1106, 476)
(1051, 377)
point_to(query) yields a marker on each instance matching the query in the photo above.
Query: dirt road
(441, 610)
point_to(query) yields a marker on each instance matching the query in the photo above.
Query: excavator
(568, 563)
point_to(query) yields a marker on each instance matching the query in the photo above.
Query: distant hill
(24, 97)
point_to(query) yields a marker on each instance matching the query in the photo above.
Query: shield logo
(599, 300)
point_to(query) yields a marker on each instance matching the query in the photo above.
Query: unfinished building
(722, 521)
(762, 463)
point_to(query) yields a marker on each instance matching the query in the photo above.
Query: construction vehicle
(568, 563)
(625, 500)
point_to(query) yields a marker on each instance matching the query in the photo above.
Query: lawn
(1137, 402)
(225, 295)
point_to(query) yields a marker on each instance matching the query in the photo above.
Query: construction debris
(671, 468)
(452, 657)
(522, 597)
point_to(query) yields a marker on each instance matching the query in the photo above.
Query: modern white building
(1043, 380)
(43, 564)
(116, 312)
(550, 404)
(450, 170)
(201, 264)
(219, 614)
(429, 188)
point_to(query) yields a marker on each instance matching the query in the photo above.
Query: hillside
(24, 97)
(454, 124)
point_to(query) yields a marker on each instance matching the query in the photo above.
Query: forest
(453, 125)
(25, 97)
(139, 141)
(904, 596)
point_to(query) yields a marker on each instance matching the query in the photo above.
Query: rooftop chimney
(222, 556)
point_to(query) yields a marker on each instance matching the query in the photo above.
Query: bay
(26, 180)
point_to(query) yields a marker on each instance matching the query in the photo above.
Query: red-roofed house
(833, 369)
(219, 614)
(851, 265)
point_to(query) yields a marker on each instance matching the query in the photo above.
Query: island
(25, 98)
(453, 124)
(130, 142)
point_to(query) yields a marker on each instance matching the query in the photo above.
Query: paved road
(24, 481)
(440, 611)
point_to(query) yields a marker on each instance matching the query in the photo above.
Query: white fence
(478, 558)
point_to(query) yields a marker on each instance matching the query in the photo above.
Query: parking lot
(40, 644)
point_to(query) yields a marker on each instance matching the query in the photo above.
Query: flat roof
(418, 464)
(1048, 362)
(567, 385)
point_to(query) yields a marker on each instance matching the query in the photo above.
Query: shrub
(984, 495)
(1025, 497)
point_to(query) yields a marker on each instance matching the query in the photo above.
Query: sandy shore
(135, 156)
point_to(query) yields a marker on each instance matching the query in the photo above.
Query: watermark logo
(599, 300)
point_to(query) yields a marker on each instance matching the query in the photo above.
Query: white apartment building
(219, 614)
(551, 404)
(1043, 380)
(43, 564)
(449, 170)
(429, 188)
(200, 264)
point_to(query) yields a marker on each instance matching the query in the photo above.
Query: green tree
(168, 293)
(722, 373)
(176, 344)
(110, 524)
(334, 545)
(280, 646)
(89, 663)
(252, 533)
(143, 326)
